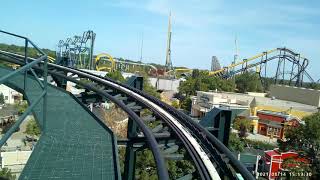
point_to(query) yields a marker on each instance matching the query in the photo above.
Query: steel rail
(186, 119)
(151, 140)
(199, 155)
(22, 69)
(183, 119)
(195, 147)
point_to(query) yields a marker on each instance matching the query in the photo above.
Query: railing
(159, 160)
(26, 68)
(220, 154)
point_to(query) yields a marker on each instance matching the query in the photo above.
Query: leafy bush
(6, 174)
(21, 107)
(33, 128)
(235, 143)
(260, 145)
(242, 125)
(186, 104)
(175, 104)
(116, 75)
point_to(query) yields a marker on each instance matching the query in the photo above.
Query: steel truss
(77, 51)
(290, 67)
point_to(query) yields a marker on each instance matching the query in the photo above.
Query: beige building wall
(8, 94)
(15, 160)
(296, 94)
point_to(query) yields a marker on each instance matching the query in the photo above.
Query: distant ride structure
(288, 66)
(77, 51)
(215, 64)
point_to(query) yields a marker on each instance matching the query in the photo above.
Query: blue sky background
(201, 28)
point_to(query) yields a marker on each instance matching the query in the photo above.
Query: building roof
(272, 153)
(284, 115)
(275, 103)
(253, 103)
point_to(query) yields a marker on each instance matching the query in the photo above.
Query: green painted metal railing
(28, 66)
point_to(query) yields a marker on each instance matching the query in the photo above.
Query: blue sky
(200, 28)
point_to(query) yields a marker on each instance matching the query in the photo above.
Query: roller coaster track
(212, 159)
(288, 62)
(117, 63)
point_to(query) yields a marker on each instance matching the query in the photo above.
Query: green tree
(21, 107)
(33, 128)
(145, 167)
(175, 104)
(248, 82)
(147, 87)
(1, 98)
(186, 104)
(201, 81)
(305, 139)
(235, 143)
(242, 125)
(116, 75)
(6, 174)
(188, 87)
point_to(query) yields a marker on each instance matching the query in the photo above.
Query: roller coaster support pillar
(218, 122)
(130, 156)
(91, 60)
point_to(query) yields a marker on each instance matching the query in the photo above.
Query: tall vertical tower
(168, 54)
(236, 54)
(141, 48)
(215, 65)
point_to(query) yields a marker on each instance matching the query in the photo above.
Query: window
(276, 132)
(5, 97)
(273, 131)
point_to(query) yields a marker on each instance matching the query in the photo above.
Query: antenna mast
(168, 55)
(141, 47)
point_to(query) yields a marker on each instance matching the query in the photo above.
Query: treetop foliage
(116, 75)
(6, 174)
(305, 139)
(32, 52)
(248, 82)
(33, 128)
(201, 81)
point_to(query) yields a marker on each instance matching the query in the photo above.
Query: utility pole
(168, 54)
(92, 37)
(141, 47)
(236, 55)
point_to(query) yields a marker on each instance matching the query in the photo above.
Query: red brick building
(272, 123)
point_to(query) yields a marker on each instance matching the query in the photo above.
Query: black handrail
(186, 120)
